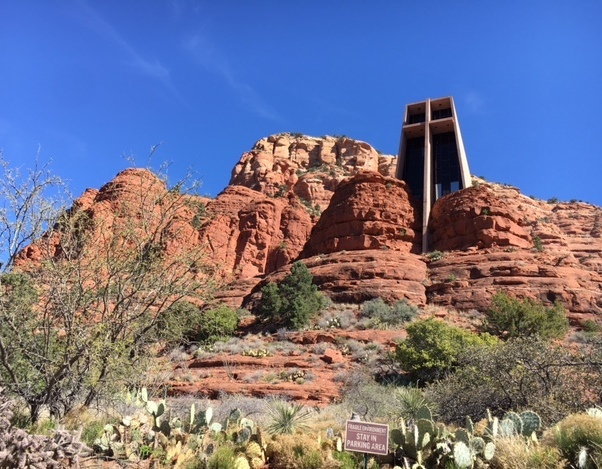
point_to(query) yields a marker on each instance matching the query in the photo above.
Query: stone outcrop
(310, 167)
(529, 248)
(334, 204)
(358, 276)
(367, 212)
(476, 217)
(248, 233)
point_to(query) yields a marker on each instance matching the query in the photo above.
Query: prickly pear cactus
(531, 423)
(240, 462)
(463, 458)
(516, 420)
(462, 435)
(489, 451)
(254, 450)
(424, 413)
(507, 428)
(18, 449)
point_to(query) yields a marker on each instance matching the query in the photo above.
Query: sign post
(367, 438)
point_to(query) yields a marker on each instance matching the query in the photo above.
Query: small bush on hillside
(217, 324)
(510, 317)
(432, 348)
(294, 301)
(381, 315)
(434, 256)
(525, 373)
(590, 326)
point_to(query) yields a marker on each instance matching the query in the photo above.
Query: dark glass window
(442, 113)
(413, 172)
(416, 118)
(446, 164)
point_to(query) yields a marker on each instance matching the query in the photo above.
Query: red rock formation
(476, 217)
(358, 276)
(310, 167)
(251, 234)
(365, 242)
(368, 211)
(562, 262)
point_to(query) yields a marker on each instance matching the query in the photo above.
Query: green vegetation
(288, 419)
(537, 243)
(294, 301)
(434, 256)
(313, 210)
(432, 348)
(579, 438)
(524, 373)
(200, 213)
(510, 317)
(217, 324)
(383, 316)
(105, 290)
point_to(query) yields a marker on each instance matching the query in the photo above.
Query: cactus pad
(531, 422)
(462, 455)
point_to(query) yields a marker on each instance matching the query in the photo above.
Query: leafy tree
(432, 348)
(294, 300)
(512, 317)
(82, 317)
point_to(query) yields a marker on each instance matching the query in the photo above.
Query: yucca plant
(288, 419)
(408, 402)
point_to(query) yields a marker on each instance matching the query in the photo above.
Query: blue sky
(92, 82)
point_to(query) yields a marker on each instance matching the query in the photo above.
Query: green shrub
(346, 460)
(432, 348)
(409, 401)
(518, 453)
(434, 256)
(510, 317)
(537, 244)
(180, 320)
(523, 373)
(294, 301)
(217, 324)
(381, 314)
(91, 431)
(591, 326)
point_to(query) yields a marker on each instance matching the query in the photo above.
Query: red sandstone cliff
(333, 203)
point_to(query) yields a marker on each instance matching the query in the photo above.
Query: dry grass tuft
(516, 453)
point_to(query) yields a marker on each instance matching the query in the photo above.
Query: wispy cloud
(208, 56)
(180, 8)
(474, 102)
(152, 67)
